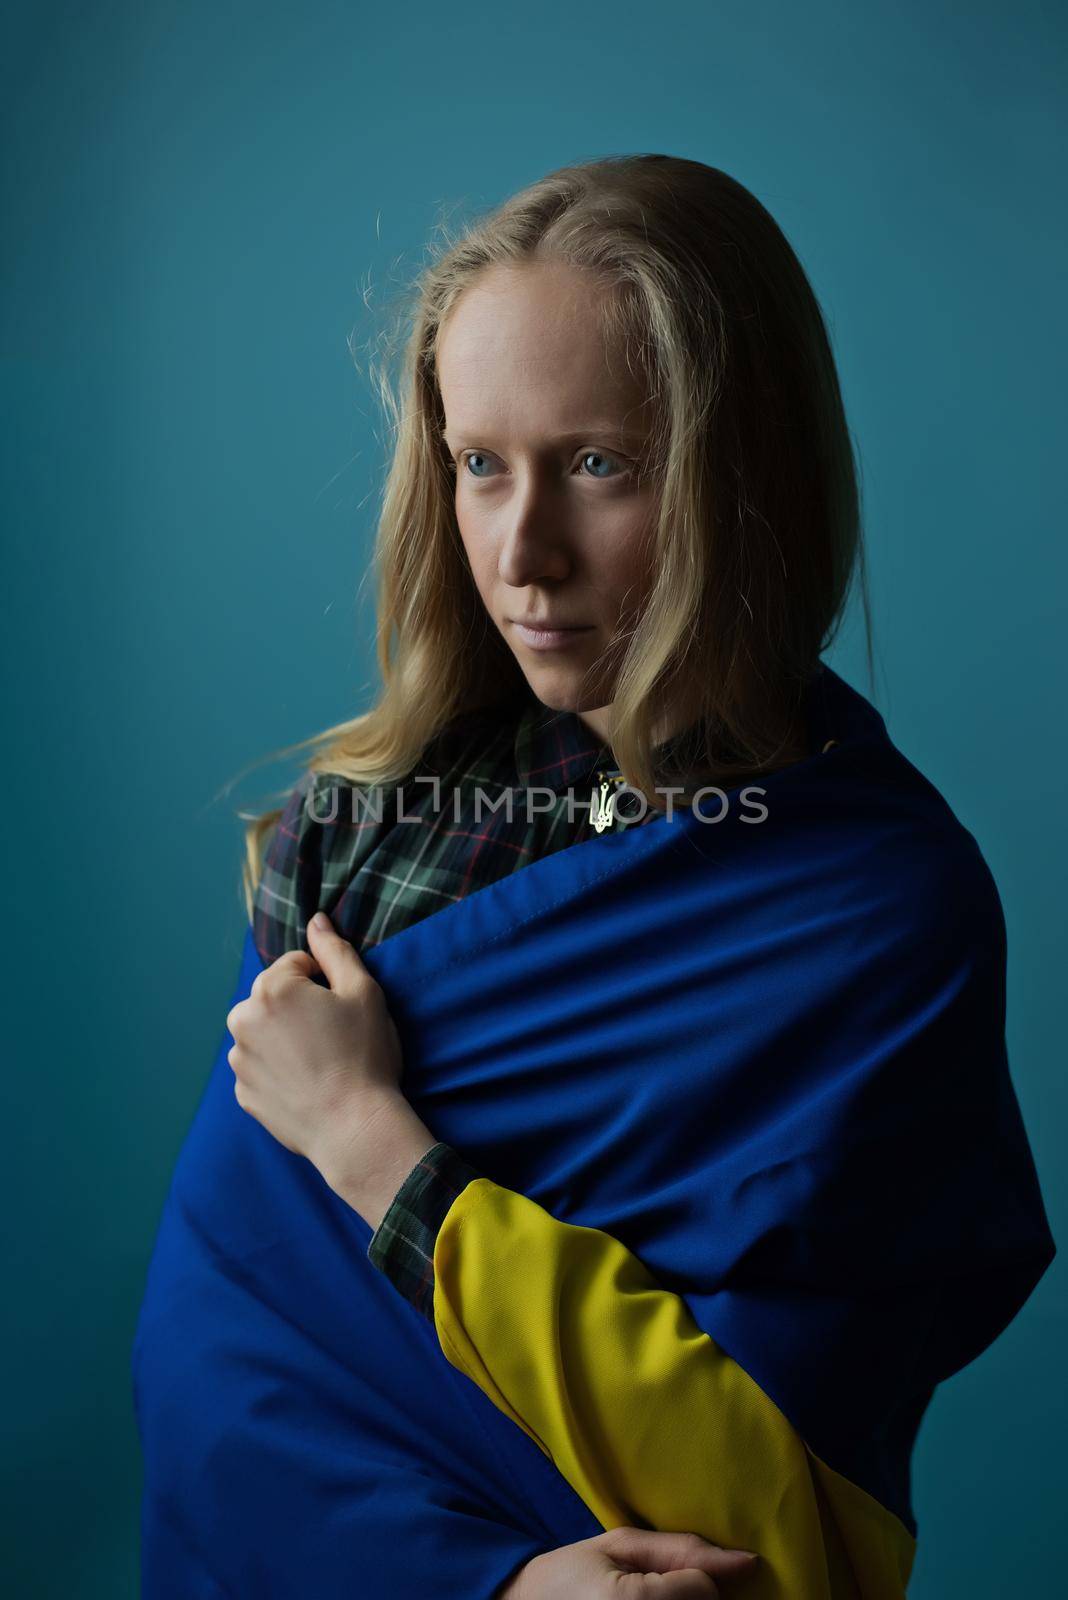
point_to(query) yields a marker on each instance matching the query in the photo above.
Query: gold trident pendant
(603, 807)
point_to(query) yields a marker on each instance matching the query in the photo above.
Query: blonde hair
(757, 534)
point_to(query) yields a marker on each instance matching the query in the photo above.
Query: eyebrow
(606, 429)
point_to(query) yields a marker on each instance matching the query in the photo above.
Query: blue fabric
(769, 1057)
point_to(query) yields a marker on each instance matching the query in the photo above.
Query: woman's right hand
(615, 1565)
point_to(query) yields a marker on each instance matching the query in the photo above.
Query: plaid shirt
(378, 867)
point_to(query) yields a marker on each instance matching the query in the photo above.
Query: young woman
(620, 527)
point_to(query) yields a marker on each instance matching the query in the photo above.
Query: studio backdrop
(209, 213)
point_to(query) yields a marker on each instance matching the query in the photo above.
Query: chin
(562, 691)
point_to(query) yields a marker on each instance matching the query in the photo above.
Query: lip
(543, 638)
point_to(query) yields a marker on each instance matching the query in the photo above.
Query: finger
(293, 963)
(343, 968)
(687, 1584)
(724, 1562)
(653, 1551)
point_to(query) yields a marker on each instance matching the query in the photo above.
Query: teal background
(196, 199)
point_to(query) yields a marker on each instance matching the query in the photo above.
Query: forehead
(526, 344)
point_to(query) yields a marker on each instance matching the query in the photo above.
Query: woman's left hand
(315, 1065)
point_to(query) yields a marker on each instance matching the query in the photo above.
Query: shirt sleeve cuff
(402, 1245)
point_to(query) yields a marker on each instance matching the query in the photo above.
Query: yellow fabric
(648, 1420)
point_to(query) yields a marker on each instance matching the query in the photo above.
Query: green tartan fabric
(403, 1243)
(376, 869)
(486, 799)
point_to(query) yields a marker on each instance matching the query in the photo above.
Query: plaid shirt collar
(555, 749)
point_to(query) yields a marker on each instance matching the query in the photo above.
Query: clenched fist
(313, 1063)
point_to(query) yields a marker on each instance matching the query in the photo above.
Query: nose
(534, 535)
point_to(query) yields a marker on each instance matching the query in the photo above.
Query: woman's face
(546, 441)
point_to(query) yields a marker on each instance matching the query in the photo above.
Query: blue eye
(597, 455)
(470, 458)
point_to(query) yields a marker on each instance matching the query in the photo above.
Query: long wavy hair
(757, 531)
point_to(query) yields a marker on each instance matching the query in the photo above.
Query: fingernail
(320, 921)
